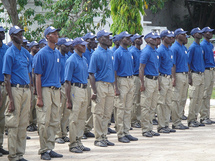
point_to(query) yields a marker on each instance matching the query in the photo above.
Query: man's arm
(68, 96)
(141, 75)
(39, 91)
(93, 86)
(117, 93)
(7, 78)
(0, 97)
(173, 75)
(189, 76)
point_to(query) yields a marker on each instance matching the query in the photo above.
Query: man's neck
(51, 45)
(197, 40)
(18, 46)
(137, 46)
(103, 46)
(1, 43)
(180, 42)
(124, 46)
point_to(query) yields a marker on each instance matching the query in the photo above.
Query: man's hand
(68, 104)
(11, 107)
(40, 102)
(94, 96)
(173, 82)
(117, 93)
(142, 88)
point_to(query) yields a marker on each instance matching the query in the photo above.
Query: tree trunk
(11, 7)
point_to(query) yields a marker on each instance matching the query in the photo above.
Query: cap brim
(68, 43)
(128, 35)
(210, 30)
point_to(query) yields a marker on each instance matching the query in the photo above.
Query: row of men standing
(101, 76)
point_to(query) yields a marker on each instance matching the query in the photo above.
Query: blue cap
(1, 29)
(179, 31)
(187, 36)
(173, 34)
(196, 30)
(103, 33)
(111, 37)
(10, 43)
(96, 42)
(207, 29)
(24, 39)
(150, 35)
(79, 40)
(158, 35)
(136, 36)
(28, 44)
(89, 35)
(166, 33)
(50, 29)
(64, 41)
(116, 38)
(43, 41)
(15, 30)
(124, 34)
(33, 43)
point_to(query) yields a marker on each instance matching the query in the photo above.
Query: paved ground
(195, 144)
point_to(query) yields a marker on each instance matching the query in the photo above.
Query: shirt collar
(15, 48)
(123, 48)
(75, 54)
(163, 46)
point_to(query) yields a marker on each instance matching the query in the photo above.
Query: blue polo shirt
(17, 63)
(195, 58)
(180, 57)
(47, 63)
(123, 62)
(62, 71)
(149, 56)
(131, 47)
(136, 58)
(208, 54)
(88, 55)
(101, 65)
(69, 53)
(165, 60)
(113, 49)
(76, 69)
(3, 50)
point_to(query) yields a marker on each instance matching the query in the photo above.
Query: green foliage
(126, 15)
(155, 5)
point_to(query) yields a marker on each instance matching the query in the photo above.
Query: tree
(74, 17)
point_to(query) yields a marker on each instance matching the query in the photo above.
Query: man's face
(152, 41)
(197, 35)
(138, 41)
(53, 37)
(2, 35)
(65, 48)
(208, 35)
(172, 40)
(182, 38)
(105, 40)
(167, 40)
(158, 41)
(71, 48)
(17, 38)
(91, 43)
(126, 41)
(80, 48)
(35, 49)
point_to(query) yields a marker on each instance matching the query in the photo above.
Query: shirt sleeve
(190, 54)
(93, 64)
(69, 68)
(116, 61)
(38, 64)
(174, 55)
(7, 64)
(144, 57)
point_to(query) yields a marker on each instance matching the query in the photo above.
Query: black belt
(1, 83)
(166, 75)
(62, 84)
(136, 75)
(80, 85)
(152, 77)
(127, 76)
(183, 72)
(53, 87)
(197, 72)
(20, 85)
(209, 68)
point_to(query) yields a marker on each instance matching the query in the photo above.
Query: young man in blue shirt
(90, 38)
(34, 48)
(61, 134)
(164, 106)
(16, 69)
(196, 77)
(101, 79)
(180, 78)
(149, 61)
(124, 86)
(76, 92)
(3, 49)
(209, 75)
(47, 68)
(136, 110)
